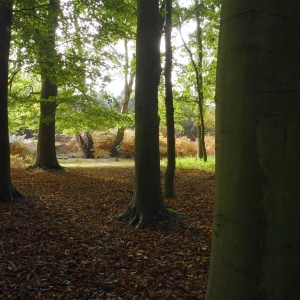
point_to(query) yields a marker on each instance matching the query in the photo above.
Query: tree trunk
(115, 148)
(201, 153)
(46, 154)
(7, 190)
(170, 171)
(256, 224)
(86, 144)
(147, 204)
(200, 146)
(201, 142)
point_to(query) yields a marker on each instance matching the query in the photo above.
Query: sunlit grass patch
(97, 162)
(192, 163)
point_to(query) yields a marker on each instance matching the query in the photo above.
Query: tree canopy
(88, 59)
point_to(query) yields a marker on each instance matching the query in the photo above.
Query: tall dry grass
(23, 151)
(183, 145)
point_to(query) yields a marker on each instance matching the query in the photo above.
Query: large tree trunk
(256, 223)
(7, 190)
(46, 154)
(147, 203)
(170, 171)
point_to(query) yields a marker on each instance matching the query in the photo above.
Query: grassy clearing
(192, 163)
(95, 163)
(23, 152)
(181, 163)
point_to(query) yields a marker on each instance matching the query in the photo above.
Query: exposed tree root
(56, 167)
(10, 195)
(16, 194)
(143, 219)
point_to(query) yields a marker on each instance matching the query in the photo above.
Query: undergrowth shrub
(185, 147)
(66, 144)
(22, 152)
(127, 146)
(210, 144)
(104, 140)
(163, 145)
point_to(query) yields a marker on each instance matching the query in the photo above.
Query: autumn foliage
(64, 240)
(23, 151)
(104, 140)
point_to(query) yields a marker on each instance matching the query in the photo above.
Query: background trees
(77, 63)
(87, 60)
(129, 75)
(194, 63)
(255, 244)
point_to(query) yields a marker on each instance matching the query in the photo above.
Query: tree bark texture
(7, 190)
(86, 144)
(46, 154)
(170, 171)
(147, 204)
(256, 224)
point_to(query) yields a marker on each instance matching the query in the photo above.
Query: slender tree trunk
(256, 224)
(200, 146)
(7, 190)
(147, 204)
(86, 144)
(170, 171)
(115, 148)
(201, 142)
(46, 154)
(201, 153)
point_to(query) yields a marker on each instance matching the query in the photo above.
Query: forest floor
(64, 240)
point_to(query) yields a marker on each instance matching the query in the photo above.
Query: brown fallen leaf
(64, 240)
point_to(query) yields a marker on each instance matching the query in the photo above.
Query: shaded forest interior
(65, 242)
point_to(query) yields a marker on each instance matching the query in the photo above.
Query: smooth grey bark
(170, 171)
(256, 224)
(7, 190)
(46, 153)
(147, 204)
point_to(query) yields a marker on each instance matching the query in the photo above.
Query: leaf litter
(64, 240)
